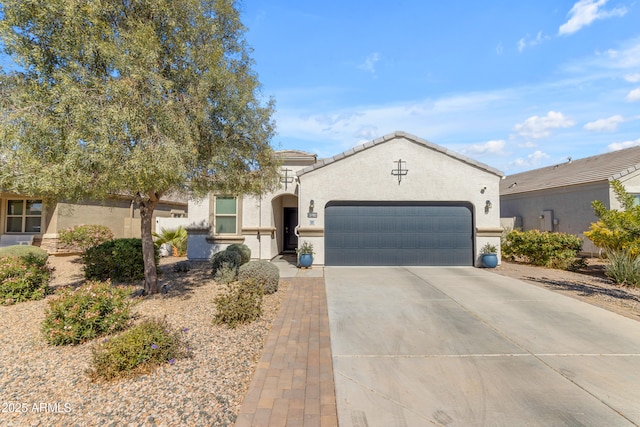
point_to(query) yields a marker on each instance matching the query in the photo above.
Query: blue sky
(514, 84)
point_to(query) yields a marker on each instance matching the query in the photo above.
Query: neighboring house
(559, 197)
(397, 200)
(29, 216)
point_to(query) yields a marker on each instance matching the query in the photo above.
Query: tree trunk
(148, 249)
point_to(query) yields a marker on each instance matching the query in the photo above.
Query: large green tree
(141, 98)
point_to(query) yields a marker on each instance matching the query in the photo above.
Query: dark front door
(290, 224)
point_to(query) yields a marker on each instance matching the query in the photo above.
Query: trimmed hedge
(556, 250)
(85, 236)
(226, 263)
(243, 250)
(120, 260)
(265, 273)
(23, 251)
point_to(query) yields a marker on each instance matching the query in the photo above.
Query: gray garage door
(376, 233)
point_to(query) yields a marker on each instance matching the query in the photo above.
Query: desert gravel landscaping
(589, 285)
(43, 385)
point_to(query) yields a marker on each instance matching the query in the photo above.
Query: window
(24, 216)
(226, 215)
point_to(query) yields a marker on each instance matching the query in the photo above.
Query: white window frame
(23, 216)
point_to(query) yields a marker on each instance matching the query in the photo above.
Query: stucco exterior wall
(121, 216)
(570, 207)
(110, 214)
(260, 220)
(631, 184)
(367, 176)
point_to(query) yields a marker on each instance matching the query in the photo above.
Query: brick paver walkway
(293, 383)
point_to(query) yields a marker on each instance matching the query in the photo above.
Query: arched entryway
(285, 221)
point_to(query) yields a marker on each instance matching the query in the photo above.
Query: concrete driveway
(467, 347)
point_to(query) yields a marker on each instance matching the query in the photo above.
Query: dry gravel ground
(589, 285)
(41, 385)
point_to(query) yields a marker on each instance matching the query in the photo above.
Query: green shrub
(182, 267)
(617, 230)
(136, 351)
(264, 272)
(85, 236)
(243, 250)
(556, 250)
(229, 259)
(623, 268)
(89, 311)
(38, 255)
(241, 304)
(23, 278)
(119, 260)
(226, 273)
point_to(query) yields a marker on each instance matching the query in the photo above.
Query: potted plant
(305, 254)
(489, 256)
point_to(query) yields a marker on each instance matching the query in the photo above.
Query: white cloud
(634, 95)
(539, 127)
(626, 57)
(366, 133)
(584, 12)
(633, 78)
(620, 145)
(499, 49)
(489, 147)
(369, 63)
(529, 42)
(527, 144)
(609, 124)
(532, 159)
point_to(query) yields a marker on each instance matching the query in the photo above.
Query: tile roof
(324, 162)
(602, 167)
(296, 156)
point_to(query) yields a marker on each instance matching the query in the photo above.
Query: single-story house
(30, 216)
(397, 200)
(558, 198)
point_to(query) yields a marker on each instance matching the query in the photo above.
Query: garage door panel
(372, 233)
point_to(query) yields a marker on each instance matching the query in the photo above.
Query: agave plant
(176, 238)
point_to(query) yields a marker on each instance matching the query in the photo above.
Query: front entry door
(290, 223)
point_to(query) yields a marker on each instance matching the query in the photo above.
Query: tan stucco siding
(571, 207)
(110, 214)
